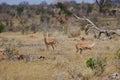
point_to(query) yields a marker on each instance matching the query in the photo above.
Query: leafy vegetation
(20, 10)
(61, 6)
(27, 28)
(91, 63)
(2, 26)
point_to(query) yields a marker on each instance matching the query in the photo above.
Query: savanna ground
(61, 64)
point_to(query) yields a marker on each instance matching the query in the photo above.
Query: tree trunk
(100, 9)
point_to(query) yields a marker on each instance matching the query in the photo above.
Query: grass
(59, 64)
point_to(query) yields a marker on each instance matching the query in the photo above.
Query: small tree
(100, 4)
(20, 10)
(61, 6)
(2, 26)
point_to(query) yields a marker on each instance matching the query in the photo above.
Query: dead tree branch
(108, 33)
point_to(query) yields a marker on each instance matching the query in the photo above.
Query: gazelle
(83, 46)
(52, 41)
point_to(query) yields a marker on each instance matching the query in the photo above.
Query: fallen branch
(108, 33)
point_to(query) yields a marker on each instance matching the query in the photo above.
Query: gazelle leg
(47, 47)
(81, 50)
(77, 50)
(52, 46)
(55, 45)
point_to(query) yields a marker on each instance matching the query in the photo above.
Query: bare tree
(100, 4)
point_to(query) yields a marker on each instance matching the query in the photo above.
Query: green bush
(20, 10)
(2, 26)
(26, 28)
(91, 63)
(67, 12)
(61, 6)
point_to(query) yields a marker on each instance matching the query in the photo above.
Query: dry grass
(59, 64)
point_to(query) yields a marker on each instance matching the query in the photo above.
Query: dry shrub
(76, 75)
(10, 46)
(75, 72)
(97, 65)
(117, 60)
(60, 76)
(74, 33)
(61, 62)
(100, 65)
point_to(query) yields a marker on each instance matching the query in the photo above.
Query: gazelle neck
(93, 43)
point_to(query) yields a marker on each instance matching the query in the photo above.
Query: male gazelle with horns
(85, 45)
(50, 41)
